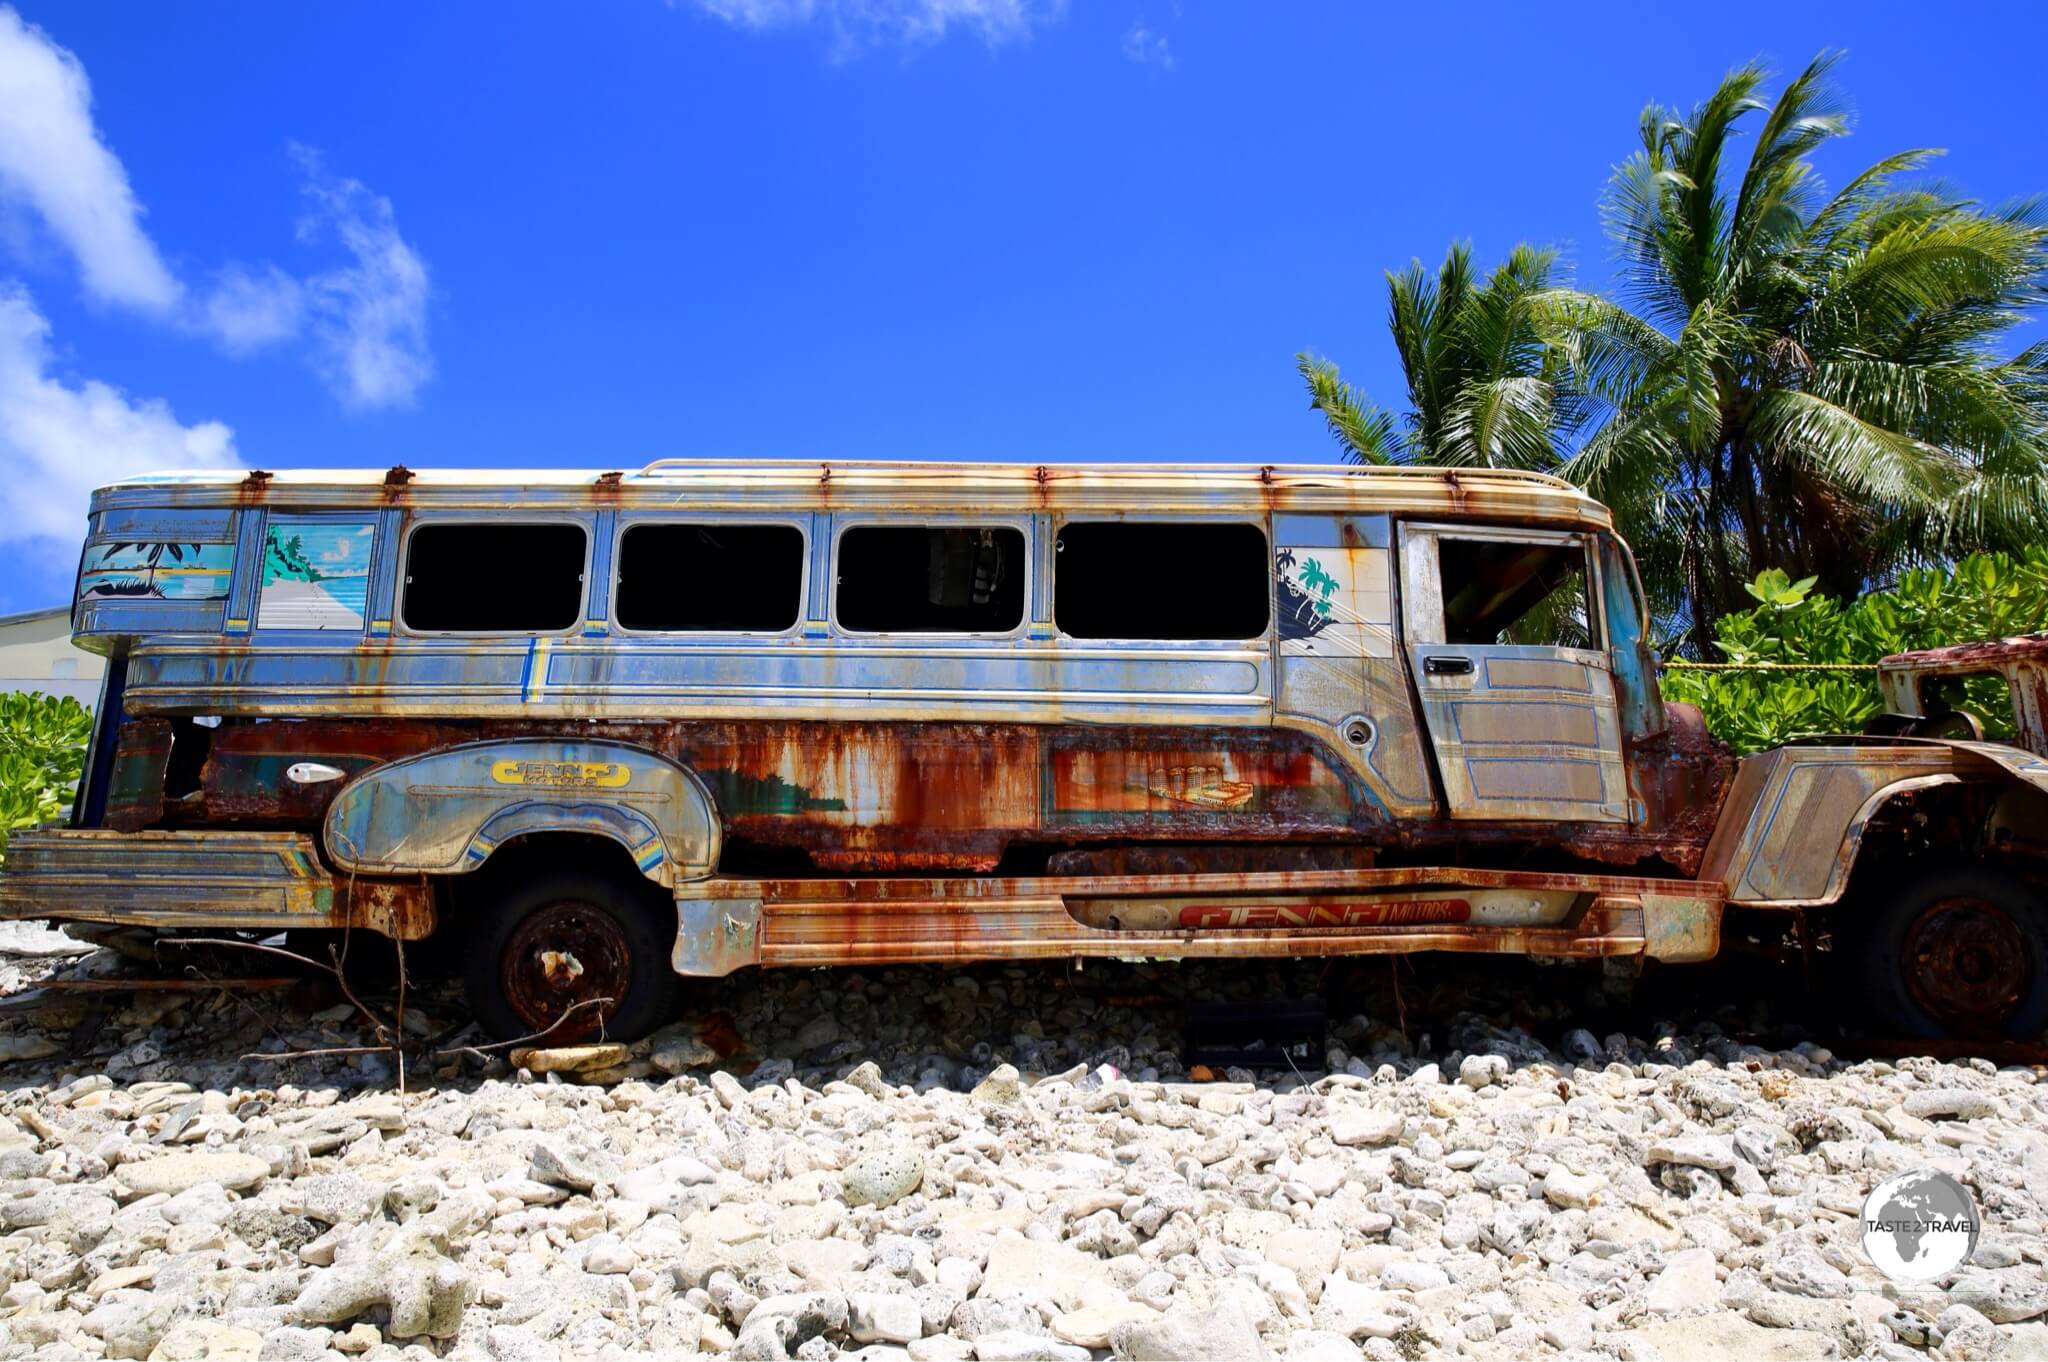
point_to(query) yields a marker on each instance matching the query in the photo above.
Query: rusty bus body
(1431, 722)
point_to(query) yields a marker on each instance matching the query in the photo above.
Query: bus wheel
(575, 956)
(1959, 952)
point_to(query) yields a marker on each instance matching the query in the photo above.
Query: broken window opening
(1170, 581)
(1969, 705)
(481, 578)
(709, 578)
(931, 579)
(1501, 592)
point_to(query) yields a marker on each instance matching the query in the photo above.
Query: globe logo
(1919, 1226)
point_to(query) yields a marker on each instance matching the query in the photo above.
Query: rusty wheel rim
(1966, 963)
(567, 953)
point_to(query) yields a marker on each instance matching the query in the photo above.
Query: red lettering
(1386, 913)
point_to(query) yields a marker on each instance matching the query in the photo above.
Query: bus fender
(444, 812)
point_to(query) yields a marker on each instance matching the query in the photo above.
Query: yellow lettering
(604, 775)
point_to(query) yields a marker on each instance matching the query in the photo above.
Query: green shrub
(1983, 596)
(42, 751)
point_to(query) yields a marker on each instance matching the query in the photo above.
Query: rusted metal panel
(1681, 928)
(2022, 662)
(957, 797)
(445, 812)
(753, 483)
(207, 878)
(1795, 817)
(725, 925)
(135, 790)
(949, 796)
(247, 780)
(938, 930)
(1681, 774)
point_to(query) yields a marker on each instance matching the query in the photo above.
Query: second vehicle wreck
(615, 728)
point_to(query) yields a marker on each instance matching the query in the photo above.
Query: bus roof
(711, 483)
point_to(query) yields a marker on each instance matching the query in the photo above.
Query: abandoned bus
(617, 728)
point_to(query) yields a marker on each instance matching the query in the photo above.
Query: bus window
(477, 577)
(931, 579)
(1512, 592)
(1161, 580)
(695, 578)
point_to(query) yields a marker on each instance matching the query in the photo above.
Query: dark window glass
(931, 579)
(479, 578)
(699, 577)
(1162, 580)
(1497, 592)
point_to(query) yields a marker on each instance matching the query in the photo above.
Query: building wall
(36, 654)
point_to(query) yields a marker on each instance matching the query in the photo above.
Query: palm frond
(1368, 433)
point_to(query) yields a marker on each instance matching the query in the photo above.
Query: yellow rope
(1768, 666)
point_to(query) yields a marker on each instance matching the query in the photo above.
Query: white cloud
(859, 24)
(369, 318)
(52, 160)
(1147, 47)
(250, 308)
(59, 441)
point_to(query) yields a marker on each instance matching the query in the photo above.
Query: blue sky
(278, 236)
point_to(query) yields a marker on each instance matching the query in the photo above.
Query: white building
(36, 654)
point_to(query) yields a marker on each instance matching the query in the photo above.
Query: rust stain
(399, 908)
(891, 798)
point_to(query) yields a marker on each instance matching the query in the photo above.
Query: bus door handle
(1447, 666)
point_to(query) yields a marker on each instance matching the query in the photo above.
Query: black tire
(607, 939)
(1960, 951)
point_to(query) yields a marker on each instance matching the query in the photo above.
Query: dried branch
(390, 1035)
(480, 1051)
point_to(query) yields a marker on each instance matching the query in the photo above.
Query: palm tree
(1482, 389)
(1802, 381)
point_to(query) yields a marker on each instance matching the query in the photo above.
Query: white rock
(1949, 1104)
(1713, 1152)
(1568, 1190)
(1091, 1325)
(1321, 1345)
(679, 1185)
(1036, 1270)
(1353, 1124)
(884, 1177)
(1021, 1347)
(606, 1256)
(1687, 1285)
(1194, 1330)
(872, 1317)
(1345, 1307)
(1311, 1255)
(174, 1173)
(1482, 1071)
(1413, 1276)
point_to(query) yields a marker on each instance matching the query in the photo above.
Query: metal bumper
(263, 881)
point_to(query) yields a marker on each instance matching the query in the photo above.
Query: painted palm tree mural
(160, 571)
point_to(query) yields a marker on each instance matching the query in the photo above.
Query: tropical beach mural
(1336, 602)
(157, 571)
(316, 573)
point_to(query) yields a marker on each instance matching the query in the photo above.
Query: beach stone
(883, 1178)
(1686, 1285)
(1031, 1268)
(1726, 1334)
(174, 1173)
